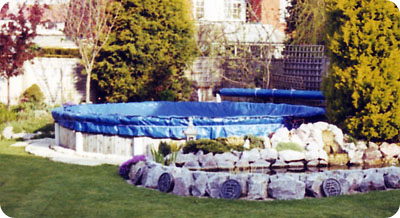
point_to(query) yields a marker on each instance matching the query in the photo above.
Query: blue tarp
(268, 93)
(170, 119)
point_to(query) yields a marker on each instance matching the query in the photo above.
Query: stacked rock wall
(257, 186)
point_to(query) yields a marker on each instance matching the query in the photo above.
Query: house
(256, 25)
(57, 77)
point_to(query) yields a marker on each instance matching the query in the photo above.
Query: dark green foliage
(149, 48)
(306, 22)
(219, 145)
(59, 53)
(207, 145)
(363, 86)
(164, 148)
(32, 94)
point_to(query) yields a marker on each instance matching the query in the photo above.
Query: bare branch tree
(244, 50)
(88, 23)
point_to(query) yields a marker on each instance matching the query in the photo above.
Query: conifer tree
(149, 48)
(363, 87)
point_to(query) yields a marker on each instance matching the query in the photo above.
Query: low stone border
(257, 186)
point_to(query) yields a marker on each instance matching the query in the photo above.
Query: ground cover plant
(36, 187)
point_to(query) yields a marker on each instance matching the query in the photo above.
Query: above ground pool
(171, 119)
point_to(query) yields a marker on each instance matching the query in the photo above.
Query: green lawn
(36, 187)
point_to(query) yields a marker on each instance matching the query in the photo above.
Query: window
(233, 9)
(199, 9)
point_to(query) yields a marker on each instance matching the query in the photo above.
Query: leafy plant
(32, 94)
(157, 156)
(164, 148)
(362, 89)
(289, 146)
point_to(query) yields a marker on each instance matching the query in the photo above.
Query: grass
(36, 187)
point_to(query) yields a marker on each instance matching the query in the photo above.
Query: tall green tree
(363, 87)
(306, 23)
(149, 47)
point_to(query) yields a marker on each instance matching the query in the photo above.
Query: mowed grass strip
(36, 187)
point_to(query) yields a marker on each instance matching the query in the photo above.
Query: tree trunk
(88, 87)
(8, 92)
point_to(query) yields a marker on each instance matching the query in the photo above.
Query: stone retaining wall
(257, 186)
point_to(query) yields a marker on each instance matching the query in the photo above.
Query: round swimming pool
(171, 119)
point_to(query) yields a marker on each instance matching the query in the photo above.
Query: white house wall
(56, 78)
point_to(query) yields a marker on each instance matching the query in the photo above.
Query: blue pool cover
(170, 119)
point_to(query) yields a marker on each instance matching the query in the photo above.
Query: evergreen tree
(149, 47)
(363, 86)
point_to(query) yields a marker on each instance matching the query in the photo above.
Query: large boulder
(373, 181)
(258, 184)
(8, 132)
(355, 156)
(199, 184)
(290, 155)
(227, 156)
(354, 178)
(285, 187)
(392, 177)
(281, 135)
(208, 162)
(183, 158)
(372, 156)
(214, 184)
(151, 175)
(251, 156)
(183, 181)
(260, 164)
(242, 178)
(136, 172)
(268, 154)
(338, 159)
(313, 184)
(390, 150)
(242, 164)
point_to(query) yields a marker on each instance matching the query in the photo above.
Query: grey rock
(251, 156)
(297, 164)
(390, 150)
(192, 164)
(151, 175)
(258, 184)
(183, 158)
(261, 163)
(214, 184)
(279, 164)
(313, 184)
(290, 155)
(183, 181)
(284, 187)
(134, 169)
(224, 164)
(227, 156)
(242, 178)
(268, 154)
(392, 178)
(199, 184)
(312, 163)
(208, 162)
(373, 181)
(242, 164)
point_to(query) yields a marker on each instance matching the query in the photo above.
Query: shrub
(289, 146)
(207, 145)
(164, 148)
(363, 87)
(32, 94)
(149, 48)
(6, 115)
